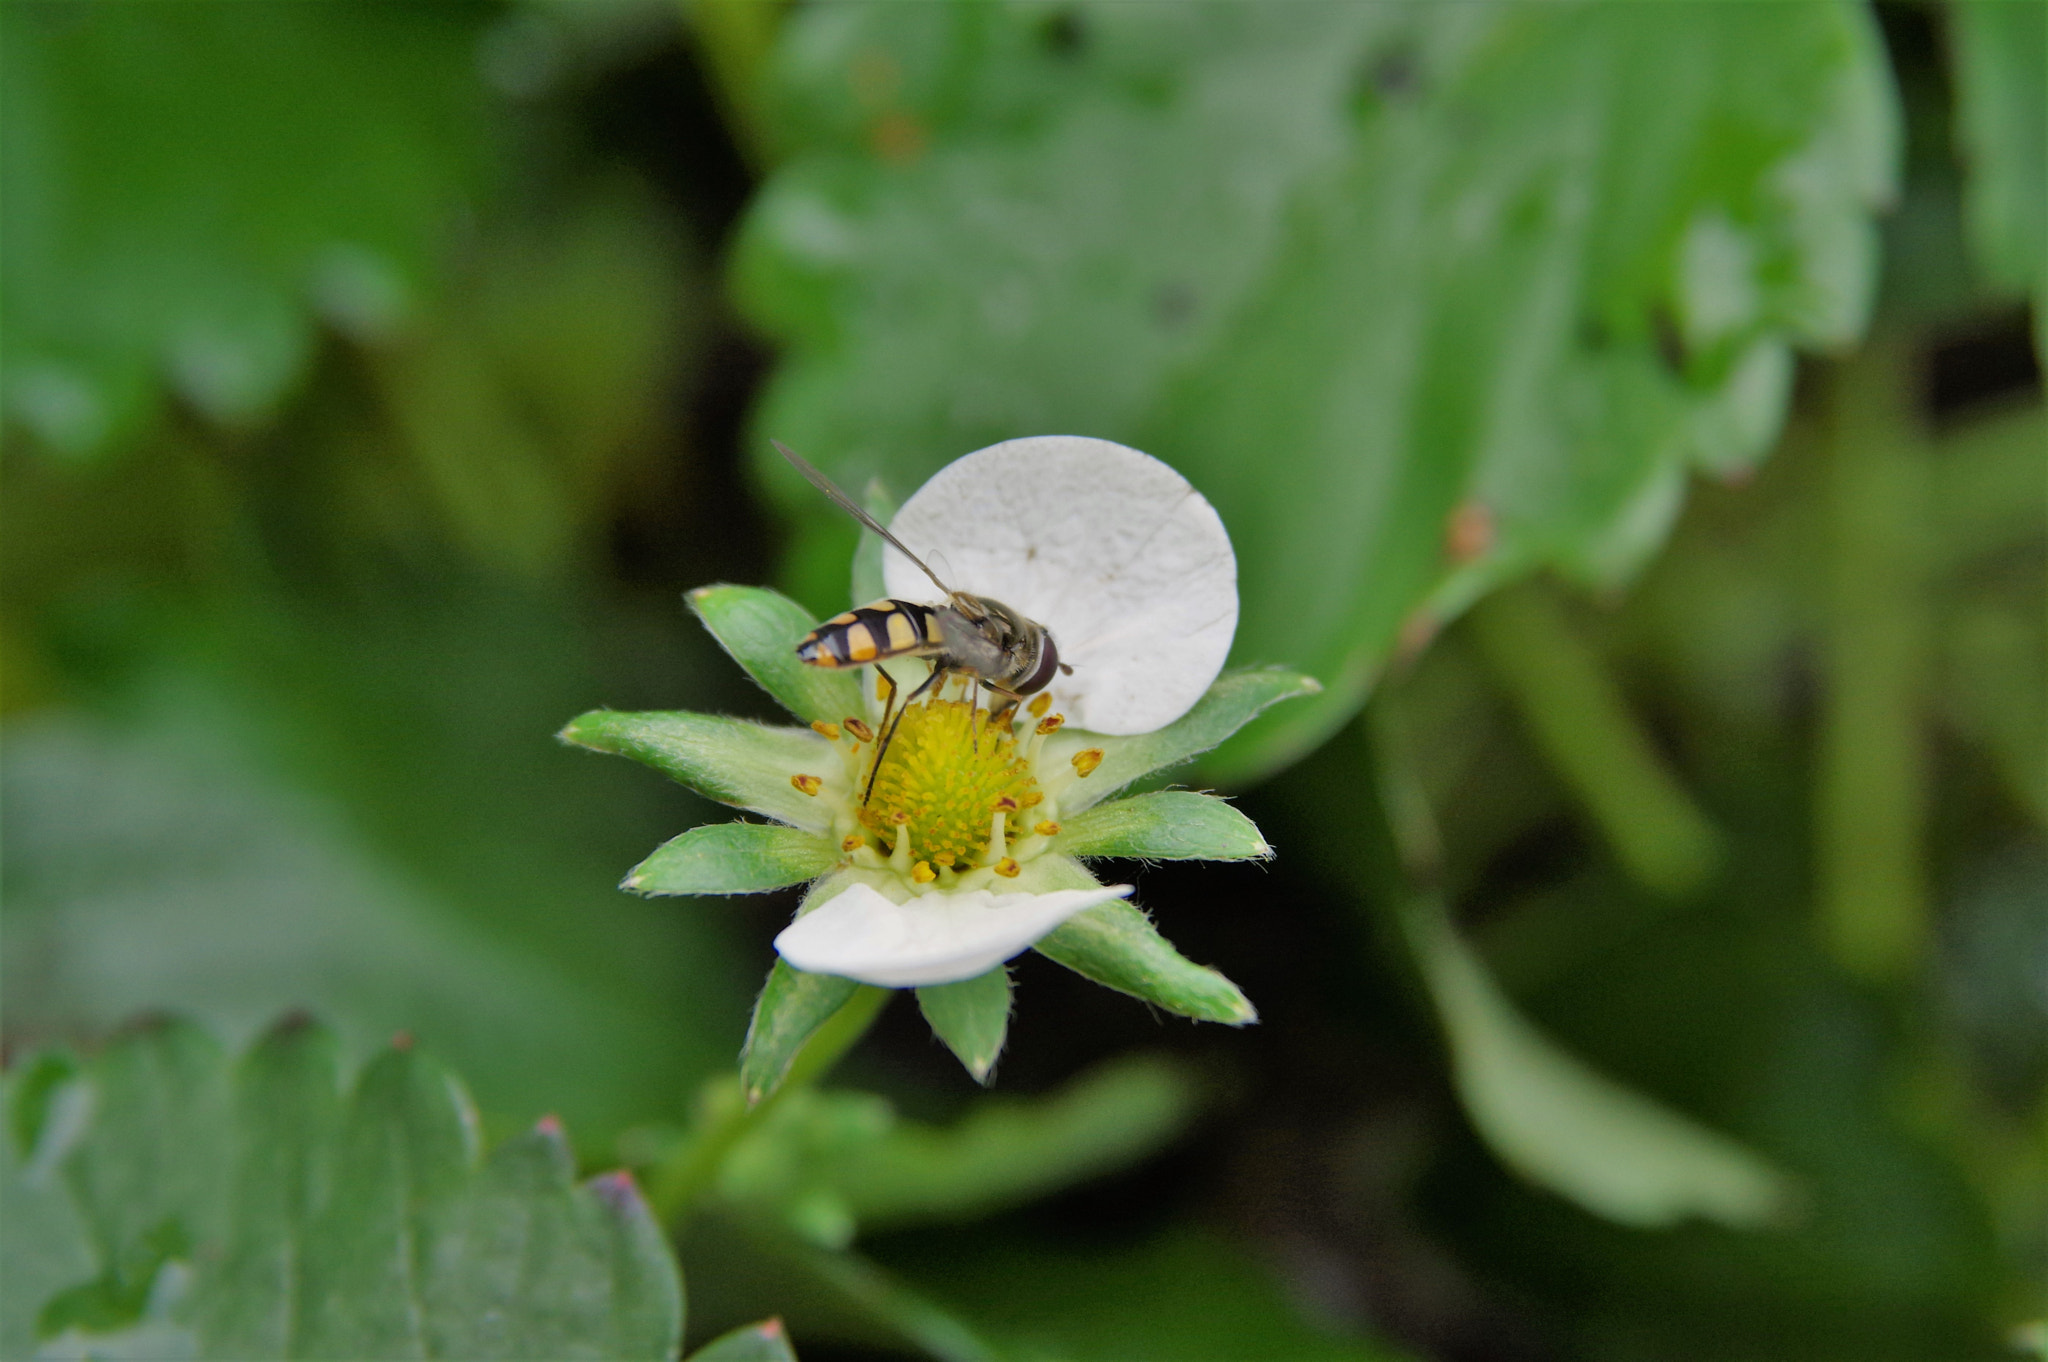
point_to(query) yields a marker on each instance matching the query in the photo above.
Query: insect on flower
(976, 637)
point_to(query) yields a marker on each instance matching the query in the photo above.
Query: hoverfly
(972, 636)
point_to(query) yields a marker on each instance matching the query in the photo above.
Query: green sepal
(1167, 825)
(733, 761)
(1117, 946)
(972, 1017)
(760, 629)
(1233, 701)
(793, 1004)
(767, 1341)
(732, 858)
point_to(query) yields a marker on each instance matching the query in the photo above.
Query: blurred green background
(1632, 413)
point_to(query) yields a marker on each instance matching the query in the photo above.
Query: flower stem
(680, 1180)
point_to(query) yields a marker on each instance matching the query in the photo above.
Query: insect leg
(889, 728)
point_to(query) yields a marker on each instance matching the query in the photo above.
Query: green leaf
(1468, 291)
(760, 628)
(1008, 1151)
(1166, 825)
(2000, 51)
(1117, 946)
(971, 1017)
(1564, 1126)
(734, 761)
(1233, 701)
(733, 858)
(767, 1341)
(215, 1211)
(792, 1006)
(185, 186)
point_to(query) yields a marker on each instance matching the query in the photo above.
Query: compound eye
(1048, 667)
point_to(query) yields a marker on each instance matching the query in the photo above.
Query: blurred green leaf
(1419, 296)
(249, 1211)
(972, 1017)
(186, 186)
(1165, 825)
(2000, 53)
(732, 858)
(1562, 1125)
(764, 1342)
(1182, 1295)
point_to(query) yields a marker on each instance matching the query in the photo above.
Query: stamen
(1007, 868)
(810, 785)
(853, 841)
(1046, 828)
(1040, 704)
(945, 858)
(923, 873)
(860, 730)
(828, 731)
(1033, 798)
(899, 859)
(1051, 723)
(996, 833)
(1086, 760)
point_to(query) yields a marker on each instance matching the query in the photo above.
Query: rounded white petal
(933, 939)
(1112, 550)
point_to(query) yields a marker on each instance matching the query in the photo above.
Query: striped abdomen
(873, 633)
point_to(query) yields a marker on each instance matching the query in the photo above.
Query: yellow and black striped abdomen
(871, 634)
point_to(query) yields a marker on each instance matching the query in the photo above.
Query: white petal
(1114, 552)
(933, 939)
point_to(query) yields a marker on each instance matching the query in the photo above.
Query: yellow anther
(1007, 868)
(1051, 723)
(923, 873)
(828, 731)
(852, 842)
(1006, 804)
(810, 785)
(860, 730)
(1040, 705)
(1046, 828)
(1033, 798)
(945, 858)
(899, 818)
(1086, 760)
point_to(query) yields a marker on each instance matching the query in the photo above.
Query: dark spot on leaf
(1392, 75)
(898, 138)
(401, 1040)
(1173, 305)
(1670, 343)
(1064, 33)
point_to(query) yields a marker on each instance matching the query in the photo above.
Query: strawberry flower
(970, 842)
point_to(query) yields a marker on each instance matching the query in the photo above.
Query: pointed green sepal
(732, 858)
(792, 1006)
(1232, 702)
(972, 1017)
(1168, 825)
(760, 629)
(746, 765)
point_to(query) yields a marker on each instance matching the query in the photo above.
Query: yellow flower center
(946, 775)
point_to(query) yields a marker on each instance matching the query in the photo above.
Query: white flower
(965, 846)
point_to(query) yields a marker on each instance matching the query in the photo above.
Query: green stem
(1871, 794)
(679, 1182)
(734, 39)
(1580, 720)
